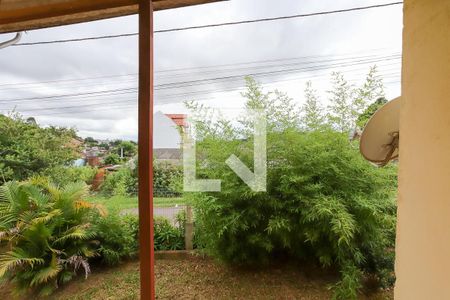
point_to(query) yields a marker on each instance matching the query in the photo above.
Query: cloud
(114, 115)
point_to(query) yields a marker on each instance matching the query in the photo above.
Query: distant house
(167, 141)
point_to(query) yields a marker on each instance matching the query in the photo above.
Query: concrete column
(423, 230)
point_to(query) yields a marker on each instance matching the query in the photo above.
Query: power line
(210, 68)
(181, 84)
(120, 103)
(215, 25)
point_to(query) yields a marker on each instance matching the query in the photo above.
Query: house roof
(178, 119)
(20, 15)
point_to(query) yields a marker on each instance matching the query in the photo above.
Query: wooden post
(145, 116)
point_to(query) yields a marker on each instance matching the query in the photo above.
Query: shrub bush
(26, 149)
(46, 229)
(61, 175)
(167, 236)
(122, 182)
(118, 237)
(167, 180)
(323, 203)
(112, 159)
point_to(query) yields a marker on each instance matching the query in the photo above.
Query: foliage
(166, 181)
(90, 141)
(46, 230)
(120, 183)
(312, 112)
(324, 203)
(372, 89)
(348, 102)
(129, 148)
(27, 149)
(370, 111)
(112, 159)
(281, 110)
(167, 236)
(340, 111)
(118, 237)
(61, 175)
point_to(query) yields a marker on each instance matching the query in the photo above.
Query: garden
(325, 227)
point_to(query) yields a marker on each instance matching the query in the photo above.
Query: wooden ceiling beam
(20, 15)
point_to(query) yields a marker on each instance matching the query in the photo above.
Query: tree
(312, 112)
(340, 115)
(112, 159)
(348, 102)
(129, 148)
(91, 141)
(372, 89)
(281, 110)
(324, 203)
(370, 111)
(27, 149)
(104, 145)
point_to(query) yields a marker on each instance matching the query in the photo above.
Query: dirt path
(199, 278)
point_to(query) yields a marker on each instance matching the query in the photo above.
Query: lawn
(119, 203)
(201, 278)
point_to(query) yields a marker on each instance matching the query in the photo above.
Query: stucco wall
(423, 230)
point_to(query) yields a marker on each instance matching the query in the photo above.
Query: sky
(91, 85)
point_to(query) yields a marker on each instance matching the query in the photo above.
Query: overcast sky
(286, 53)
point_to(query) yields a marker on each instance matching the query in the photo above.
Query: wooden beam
(145, 147)
(19, 15)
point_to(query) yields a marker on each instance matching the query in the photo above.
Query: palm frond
(9, 233)
(8, 191)
(17, 258)
(39, 199)
(46, 218)
(75, 191)
(48, 273)
(7, 220)
(77, 261)
(81, 204)
(75, 233)
(53, 190)
(87, 251)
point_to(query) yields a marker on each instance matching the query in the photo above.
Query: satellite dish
(380, 138)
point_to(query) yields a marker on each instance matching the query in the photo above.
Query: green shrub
(323, 203)
(26, 149)
(167, 236)
(118, 237)
(112, 159)
(46, 229)
(167, 179)
(122, 182)
(61, 175)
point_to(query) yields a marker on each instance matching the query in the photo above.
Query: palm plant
(45, 231)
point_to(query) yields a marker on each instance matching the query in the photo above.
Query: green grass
(119, 203)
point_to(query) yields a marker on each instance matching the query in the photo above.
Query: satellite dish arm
(394, 145)
(12, 41)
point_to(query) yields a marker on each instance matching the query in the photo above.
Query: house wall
(165, 133)
(423, 230)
